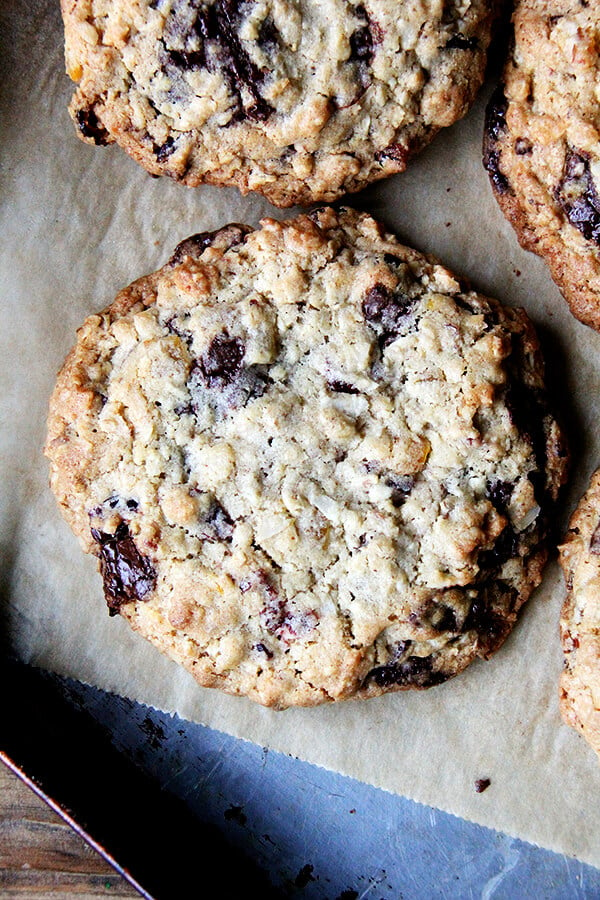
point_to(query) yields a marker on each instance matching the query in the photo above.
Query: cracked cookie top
(542, 144)
(296, 99)
(311, 462)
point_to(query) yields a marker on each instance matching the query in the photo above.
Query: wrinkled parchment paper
(78, 223)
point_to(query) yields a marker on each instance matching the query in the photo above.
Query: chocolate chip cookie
(580, 618)
(312, 464)
(297, 99)
(542, 144)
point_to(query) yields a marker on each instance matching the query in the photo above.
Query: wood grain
(42, 857)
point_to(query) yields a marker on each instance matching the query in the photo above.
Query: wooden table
(41, 856)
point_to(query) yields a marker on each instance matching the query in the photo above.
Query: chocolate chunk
(460, 42)
(497, 177)
(578, 196)
(91, 127)
(262, 648)
(217, 524)
(267, 34)
(416, 671)
(495, 114)
(165, 150)
(482, 784)
(436, 614)
(527, 408)
(495, 126)
(224, 238)
(505, 547)
(223, 360)
(595, 541)
(361, 40)
(387, 313)
(491, 627)
(499, 492)
(523, 147)
(127, 575)
(401, 486)
(209, 39)
(342, 387)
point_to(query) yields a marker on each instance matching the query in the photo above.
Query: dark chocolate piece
(460, 42)
(209, 39)
(387, 312)
(223, 360)
(217, 524)
(91, 127)
(578, 196)
(127, 575)
(224, 238)
(415, 671)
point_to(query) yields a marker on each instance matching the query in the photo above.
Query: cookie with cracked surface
(542, 144)
(299, 100)
(311, 464)
(580, 618)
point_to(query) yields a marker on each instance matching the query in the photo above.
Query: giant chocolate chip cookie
(312, 464)
(301, 100)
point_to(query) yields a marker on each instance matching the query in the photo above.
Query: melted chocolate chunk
(527, 409)
(208, 38)
(223, 360)
(505, 547)
(415, 671)
(491, 627)
(578, 196)
(437, 615)
(595, 541)
(224, 238)
(495, 126)
(91, 127)
(495, 114)
(217, 525)
(460, 42)
(127, 575)
(387, 313)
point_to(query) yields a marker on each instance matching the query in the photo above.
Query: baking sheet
(80, 222)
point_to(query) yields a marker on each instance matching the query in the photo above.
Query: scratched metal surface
(322, 836)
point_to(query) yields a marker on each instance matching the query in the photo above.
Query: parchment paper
(80, 222)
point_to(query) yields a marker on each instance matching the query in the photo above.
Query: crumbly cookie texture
(542, 144)
(580, 618)
(301, 100)
(312, 464)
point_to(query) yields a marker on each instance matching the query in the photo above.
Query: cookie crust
(312, 463)
(298, 100)
(580, 618)
(542, 144)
